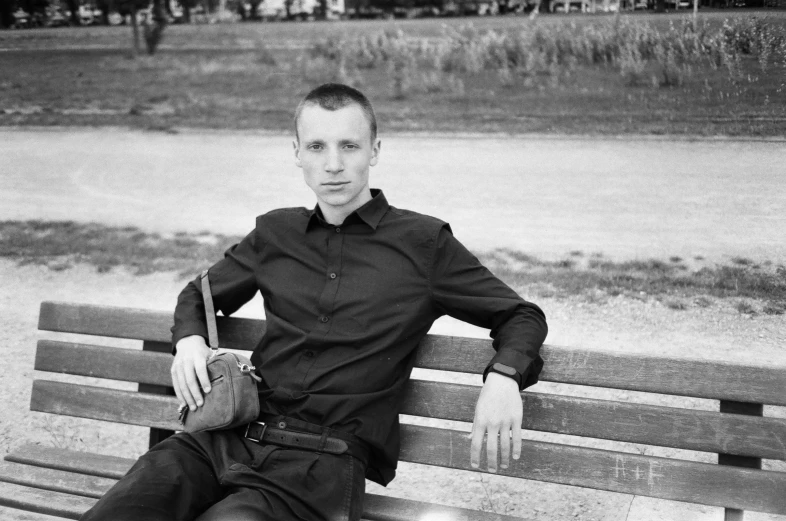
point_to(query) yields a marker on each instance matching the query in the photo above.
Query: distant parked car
(681, 4)
(570, 6)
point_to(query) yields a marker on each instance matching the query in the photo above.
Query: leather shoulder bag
(233, 399)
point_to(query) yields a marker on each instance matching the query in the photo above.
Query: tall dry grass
(637, 50)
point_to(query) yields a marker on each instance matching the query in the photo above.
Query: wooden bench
(65, 483)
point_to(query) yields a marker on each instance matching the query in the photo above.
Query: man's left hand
(499, 413)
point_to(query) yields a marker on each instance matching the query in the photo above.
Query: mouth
(334, 184)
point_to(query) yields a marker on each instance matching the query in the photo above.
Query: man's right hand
(189, 371)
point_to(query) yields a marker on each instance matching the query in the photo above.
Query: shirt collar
(370, 213)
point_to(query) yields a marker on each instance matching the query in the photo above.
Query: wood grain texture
(44, 501)
(99, 403)
(128, 365)
(71, 461)
(606, 470)
(697, 378)
(376, 508)
(620, 421)
(701, 483)
(56, 480)
(653, 425)
(140, 324)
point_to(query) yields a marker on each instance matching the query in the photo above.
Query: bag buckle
(248, 427)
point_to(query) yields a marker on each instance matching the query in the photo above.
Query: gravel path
(548, 196)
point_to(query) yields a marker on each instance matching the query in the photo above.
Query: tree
(154, 29)
(6, 13)
(132, 7)
(73, 7)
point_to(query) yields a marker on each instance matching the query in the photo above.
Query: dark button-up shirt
(347, 304)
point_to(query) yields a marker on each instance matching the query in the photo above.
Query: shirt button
(333, 275)
(338, 230)
(324, 319)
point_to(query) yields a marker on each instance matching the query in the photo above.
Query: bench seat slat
(702, 483)
(77, 461)
(53, 479)
(605, 419)
(46, 502)
(696, 378)
(376, 507)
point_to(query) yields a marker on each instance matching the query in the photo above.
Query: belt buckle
(264, 428)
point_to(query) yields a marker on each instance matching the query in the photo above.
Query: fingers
(516, 434)
(200, 366)
(192, 384)
(477, 444)
(491, 448)
(504, 447)
(186, 383)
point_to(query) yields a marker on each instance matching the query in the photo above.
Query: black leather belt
(329, 441)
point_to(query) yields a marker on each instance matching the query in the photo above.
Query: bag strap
(210, 313)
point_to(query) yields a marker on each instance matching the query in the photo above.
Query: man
(350, 288)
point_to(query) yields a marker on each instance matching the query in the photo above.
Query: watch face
(505, 369)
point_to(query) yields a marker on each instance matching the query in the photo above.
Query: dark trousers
(210, 476)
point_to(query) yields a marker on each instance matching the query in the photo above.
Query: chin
(336, 199)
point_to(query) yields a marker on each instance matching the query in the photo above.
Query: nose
(333, 162)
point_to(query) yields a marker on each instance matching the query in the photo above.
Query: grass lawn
(250, 76)
(62, 245)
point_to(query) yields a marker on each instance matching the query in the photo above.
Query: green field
(585, 74)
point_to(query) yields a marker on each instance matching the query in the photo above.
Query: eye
(351, 146)
(315, 146)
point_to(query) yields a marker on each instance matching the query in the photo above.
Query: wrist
(503, 371)
(191, 343)
(501, 379)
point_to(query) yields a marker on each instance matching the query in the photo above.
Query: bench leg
(157, 435)
(749, 409)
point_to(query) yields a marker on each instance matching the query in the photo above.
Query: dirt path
(547, 196)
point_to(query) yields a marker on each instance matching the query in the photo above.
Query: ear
(375, 149)
(296, 146)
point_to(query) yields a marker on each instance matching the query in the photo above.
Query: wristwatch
(504, 370)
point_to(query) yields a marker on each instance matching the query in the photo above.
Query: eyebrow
(341, 142)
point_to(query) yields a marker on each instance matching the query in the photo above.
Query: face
(335, 151)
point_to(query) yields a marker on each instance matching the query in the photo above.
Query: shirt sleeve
(232, 284)
(465, 289)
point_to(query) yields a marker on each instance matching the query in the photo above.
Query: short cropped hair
(334, 96)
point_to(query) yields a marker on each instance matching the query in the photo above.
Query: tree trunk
(535, 10)
(73, 7)
(135, 28)
(186, 11)
(6, 13)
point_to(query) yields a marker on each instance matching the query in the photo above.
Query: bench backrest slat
(605, 419)
(608, 470)
(696, 378)
(665, 478)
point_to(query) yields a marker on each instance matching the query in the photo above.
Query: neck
(336, 215)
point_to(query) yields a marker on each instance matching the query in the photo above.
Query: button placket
(327, 298)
